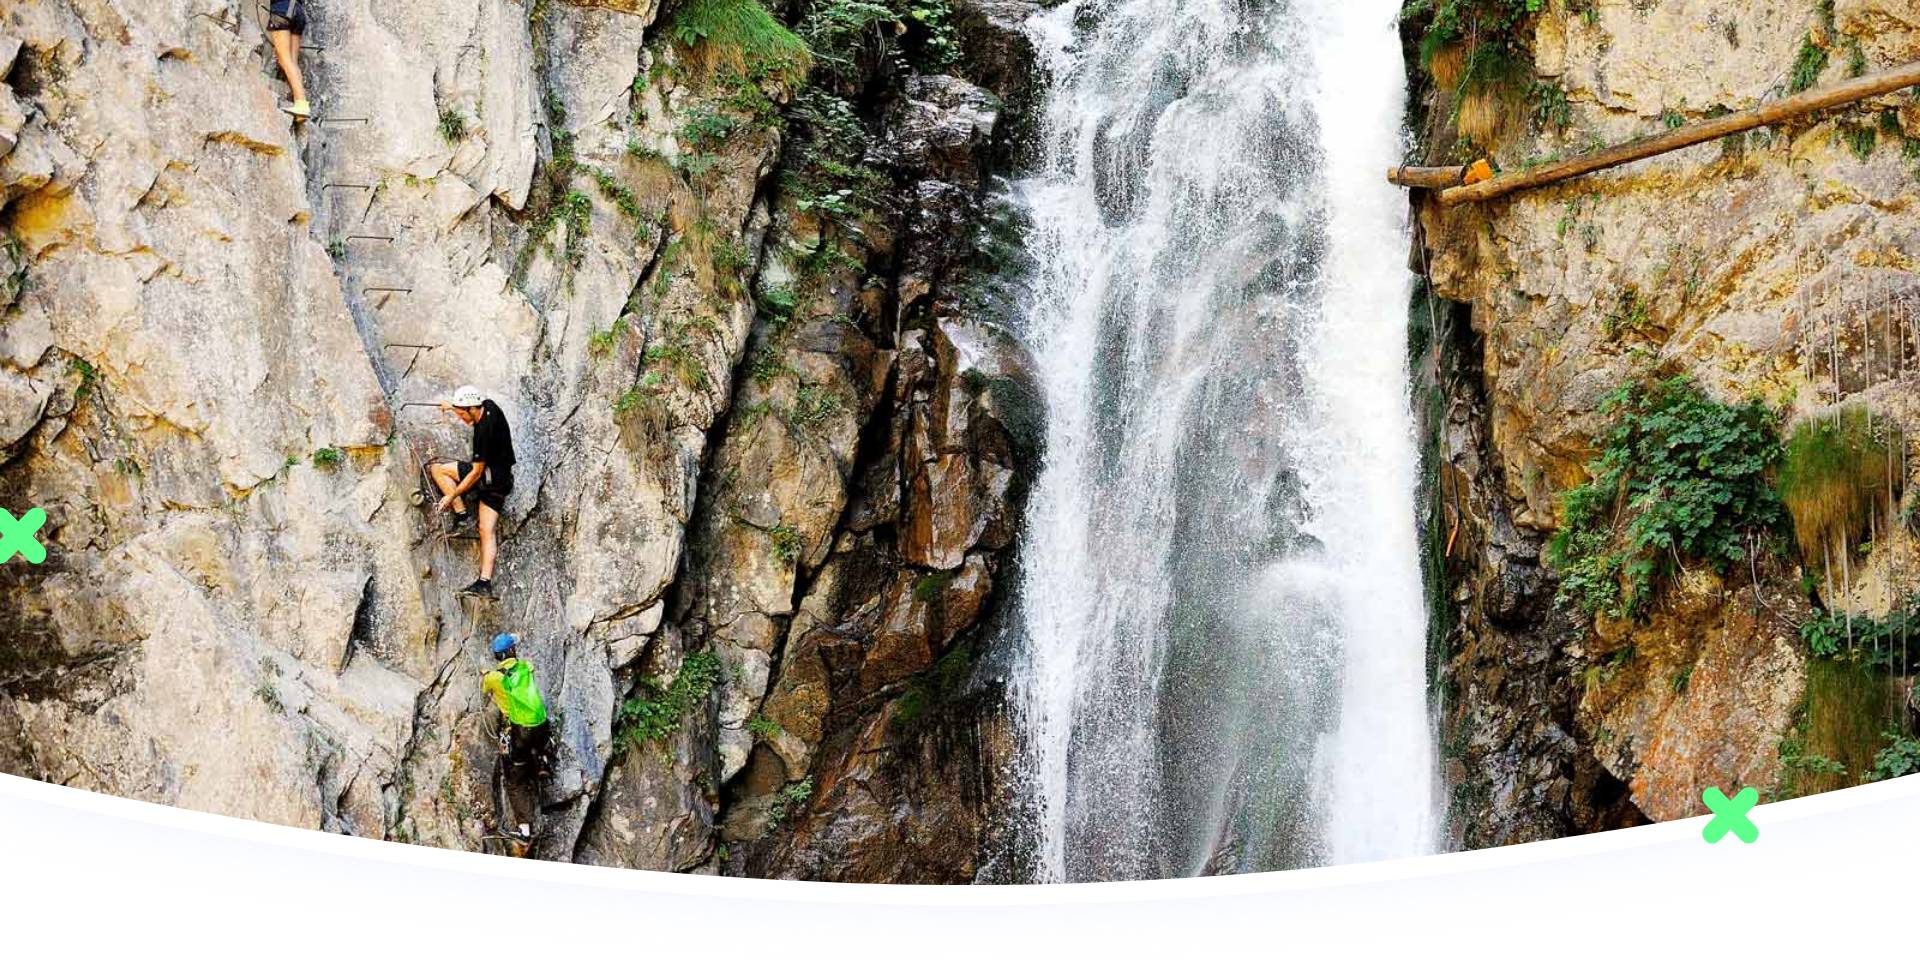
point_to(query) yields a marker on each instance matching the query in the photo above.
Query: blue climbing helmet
(503, 643)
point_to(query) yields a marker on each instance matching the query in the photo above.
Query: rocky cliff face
(770, 441)
(1776, 265)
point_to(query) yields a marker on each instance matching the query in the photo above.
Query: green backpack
(523, 705)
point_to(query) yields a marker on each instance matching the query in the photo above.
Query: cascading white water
(1222, 665)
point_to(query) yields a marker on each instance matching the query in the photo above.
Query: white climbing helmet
(466, 397)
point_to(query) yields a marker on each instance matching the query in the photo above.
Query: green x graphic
(16, 535)
(1730, 815)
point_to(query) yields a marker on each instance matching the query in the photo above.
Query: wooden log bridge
(1452, 192)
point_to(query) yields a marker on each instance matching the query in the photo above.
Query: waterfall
(1221, 656)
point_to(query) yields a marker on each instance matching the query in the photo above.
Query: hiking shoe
(479, 588)
(457, 522)
(299, 109)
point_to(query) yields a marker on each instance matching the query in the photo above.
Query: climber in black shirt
(488, 475)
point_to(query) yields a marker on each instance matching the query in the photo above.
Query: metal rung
(386, 288)
(384, 238)
(230, 26)
(339, 120)
(343, 184)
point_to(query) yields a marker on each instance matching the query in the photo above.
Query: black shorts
(288, 15)
(494, 486)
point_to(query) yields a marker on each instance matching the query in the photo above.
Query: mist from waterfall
(1221, 659)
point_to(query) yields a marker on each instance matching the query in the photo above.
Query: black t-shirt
(493, 442)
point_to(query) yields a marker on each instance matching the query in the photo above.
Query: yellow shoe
(299, 110)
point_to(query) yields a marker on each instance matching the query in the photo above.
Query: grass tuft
(740, 36)
(1837, 474)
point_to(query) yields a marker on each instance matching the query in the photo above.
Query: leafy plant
(1679, 478)
(813, 405)
(1550, 108)
(658, 713)
(786, 799)
(763, 728)
(326, 458)
(1900, 757)
(786, 543)
(1891, 642)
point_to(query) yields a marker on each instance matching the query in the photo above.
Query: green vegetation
(1856, 59)
(813, 405)
(786, 799)
(1476, 50)
(839, 31)
(935, 688)
(1890, 643)
(659, 713)
(270, 696)
(1861, 139)
(1837, 474)
(826, 175)
(1679, 478)
(740, 36)
(326, 458)
(675, 354)
(763, 728)
(1628, 315)
(1550, 108)
(1900, 757)
(87, 374)
(337, 248)
(623, 199)
(929, 586)
(786, 543)
(453, 126)
(1811, 61)
(602, 341)
(1837, 729)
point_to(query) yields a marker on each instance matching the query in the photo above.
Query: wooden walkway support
(1412, 177)
(1697, 133)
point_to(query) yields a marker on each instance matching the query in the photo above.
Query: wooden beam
(1692, 134)
(1409, 177)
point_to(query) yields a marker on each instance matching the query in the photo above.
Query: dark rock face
(1514, 764)
(845, 560)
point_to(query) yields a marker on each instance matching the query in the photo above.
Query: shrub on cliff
(1476, 50)
(1680, 479)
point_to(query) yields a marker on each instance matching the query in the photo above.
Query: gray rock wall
(212, 318)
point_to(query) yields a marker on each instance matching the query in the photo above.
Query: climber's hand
(446, 503)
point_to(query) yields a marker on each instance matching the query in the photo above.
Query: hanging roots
(1480, 116)
(1448, 65)
(1839, 472)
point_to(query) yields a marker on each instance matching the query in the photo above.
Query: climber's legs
(286, 49)
(446, 476)
(489, 545)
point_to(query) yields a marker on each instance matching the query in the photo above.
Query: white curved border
(87, 877)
